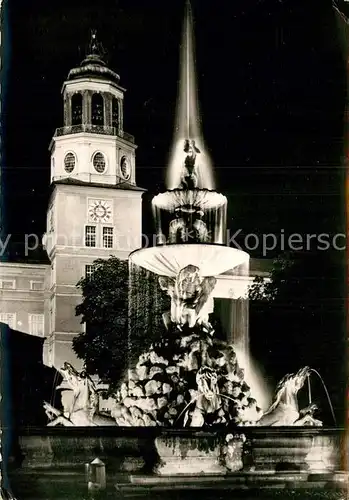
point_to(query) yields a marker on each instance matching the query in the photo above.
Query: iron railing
(94, 129)
(126, 136)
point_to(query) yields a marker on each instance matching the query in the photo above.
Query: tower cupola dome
(94, 66)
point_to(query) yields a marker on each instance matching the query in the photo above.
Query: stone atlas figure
(191, 300)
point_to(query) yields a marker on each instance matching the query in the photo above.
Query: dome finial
(95, 62)
(95, 49)
(94, 45)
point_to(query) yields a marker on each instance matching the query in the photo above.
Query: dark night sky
(271, 78)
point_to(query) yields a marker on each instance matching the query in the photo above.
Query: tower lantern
(92, 145)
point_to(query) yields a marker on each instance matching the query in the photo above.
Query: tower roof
(123, 186)
(94, 66)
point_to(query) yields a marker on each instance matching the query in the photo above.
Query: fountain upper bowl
(168, 260)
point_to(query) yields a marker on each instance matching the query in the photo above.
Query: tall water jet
(188, 135)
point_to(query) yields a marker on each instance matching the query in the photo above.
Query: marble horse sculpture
(284, 410)
(79, 400)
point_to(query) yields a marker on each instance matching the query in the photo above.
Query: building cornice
(21, 265)
(122, 187)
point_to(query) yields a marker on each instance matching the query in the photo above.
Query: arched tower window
(115, 114)
(76, 109)
(97, 109)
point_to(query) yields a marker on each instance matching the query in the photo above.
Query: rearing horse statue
(284, 409)
(81, 405)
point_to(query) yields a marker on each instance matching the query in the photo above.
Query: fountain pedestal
(197, 453)
(324, 456)
(191, 461)
(313, 450)
(186, 456)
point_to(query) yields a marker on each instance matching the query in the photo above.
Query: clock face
(99, 211)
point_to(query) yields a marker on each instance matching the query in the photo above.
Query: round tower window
(99, 163)
(69, 162)
(125, 167)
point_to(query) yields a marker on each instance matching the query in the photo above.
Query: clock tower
(95, 204)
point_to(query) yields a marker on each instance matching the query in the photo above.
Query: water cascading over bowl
(168, 260)
(190, 229)
(197, 208)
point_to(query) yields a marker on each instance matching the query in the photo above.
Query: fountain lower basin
(308, 450)
(168, 260)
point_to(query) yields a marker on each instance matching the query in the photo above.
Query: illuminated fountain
(190, 377)
(190, 252)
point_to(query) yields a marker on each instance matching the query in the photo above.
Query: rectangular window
(36, 285)
(90, 236)
(36, 324)
(9, 319)
(8, 284)
(107, 237)
(89, 268)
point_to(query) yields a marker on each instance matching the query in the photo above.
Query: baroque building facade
(94, 211)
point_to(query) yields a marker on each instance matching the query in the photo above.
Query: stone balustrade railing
(94, 129)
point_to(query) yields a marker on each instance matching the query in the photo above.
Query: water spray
(309, 389)
(187, 126)
(326, 391)
(54, 385)
(188, 9)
